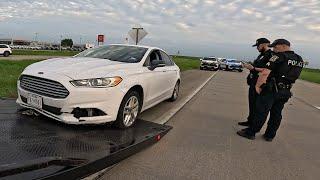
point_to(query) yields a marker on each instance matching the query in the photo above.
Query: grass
(44, 52)
(312, 75)
(187, 63)
(9, 74)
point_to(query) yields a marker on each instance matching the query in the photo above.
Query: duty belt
(284, 86)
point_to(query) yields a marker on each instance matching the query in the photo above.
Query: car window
(154, 55)
(3, 46)
(167, 60)
(127, 54)
(210, 59)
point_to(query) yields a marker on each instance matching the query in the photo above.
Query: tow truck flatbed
(41, 148)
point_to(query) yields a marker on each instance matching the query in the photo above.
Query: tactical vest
(290, 69)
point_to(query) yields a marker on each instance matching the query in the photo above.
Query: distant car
(5, 50)
(231, 64)
(99, 85)
(210, 63)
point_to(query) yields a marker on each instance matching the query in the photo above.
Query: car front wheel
(129, 110)
(6, 54)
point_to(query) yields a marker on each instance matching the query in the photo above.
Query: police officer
(261, 61)
(285, 67)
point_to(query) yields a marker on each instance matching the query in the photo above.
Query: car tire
(227, 68)
(6, 53)
(175, 93)
(127, 110)
(240, 70)
(201, 68)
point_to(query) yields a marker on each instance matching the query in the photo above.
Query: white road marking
(166, 117)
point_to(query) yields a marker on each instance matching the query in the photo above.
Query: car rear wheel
(6, 54)
(129, 109)
(240, 70)
(175, 93)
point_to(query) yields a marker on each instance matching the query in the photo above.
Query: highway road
(203, 143)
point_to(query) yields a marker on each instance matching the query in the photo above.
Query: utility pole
(60, 41)
(36, 36)
(137, 29)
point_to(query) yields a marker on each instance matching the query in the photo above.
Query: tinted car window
(210, 59)
(128, 54)
(166, 59)
(3, 46)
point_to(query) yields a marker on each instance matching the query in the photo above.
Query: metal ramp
(41, 148)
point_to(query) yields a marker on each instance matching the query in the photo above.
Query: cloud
(183, 26)
(315, 27)
(204, 21)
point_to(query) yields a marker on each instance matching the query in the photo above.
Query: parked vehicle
(210, 63)
(231, 64)
(5, 50)
(103, 84)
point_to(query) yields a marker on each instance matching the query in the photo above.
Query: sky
(221, 28)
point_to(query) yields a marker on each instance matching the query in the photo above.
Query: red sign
(100, 38)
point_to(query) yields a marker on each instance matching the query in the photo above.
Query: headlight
(97, 82)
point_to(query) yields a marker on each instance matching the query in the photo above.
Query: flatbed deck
(40, 148)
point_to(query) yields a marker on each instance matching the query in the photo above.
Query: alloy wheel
(130, 111)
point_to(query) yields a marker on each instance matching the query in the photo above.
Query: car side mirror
(156, 63)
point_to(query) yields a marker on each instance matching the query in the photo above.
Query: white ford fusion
(104, 84)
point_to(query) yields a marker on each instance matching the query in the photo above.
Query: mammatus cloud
(181, 22)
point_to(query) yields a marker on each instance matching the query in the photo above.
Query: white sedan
(99, 85)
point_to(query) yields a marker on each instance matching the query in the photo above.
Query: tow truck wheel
(129, 110)
(6, 54)
(175, 93)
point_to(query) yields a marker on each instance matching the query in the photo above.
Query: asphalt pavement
(203, 143)
(191, 80)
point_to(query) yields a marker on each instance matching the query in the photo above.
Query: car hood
(81, 67)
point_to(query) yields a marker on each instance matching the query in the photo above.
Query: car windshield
(232, 61)
(128, 54)
(209, 59)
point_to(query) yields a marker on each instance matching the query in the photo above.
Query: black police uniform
(252, 78)
(285, 69)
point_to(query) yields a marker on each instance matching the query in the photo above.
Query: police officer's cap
(261, 41)
(280, 42)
